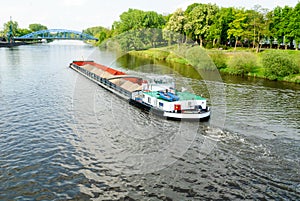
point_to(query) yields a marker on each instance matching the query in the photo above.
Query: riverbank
(280, 65)
(18, 43)
(5, 44)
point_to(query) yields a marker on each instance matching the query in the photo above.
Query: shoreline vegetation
(268, 64)
(255, 42)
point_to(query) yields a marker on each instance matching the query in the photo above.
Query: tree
(175, 26)
(13, 25)
(275, 26)
(215, 30)
(238, 26)
(22, 32)
(153, 24)
(132, 19)
(101, 36)
(190, 8)
(130, 40)
(37, 27)
(94, 30)
(199, 21)
(258, 24)
(135, 19)
(187, 27)
(269, 28)
(280, 26)
(286, 29)
(224, 17)
(142, 29)
(153, 20)
(98, 32)
(294, 25)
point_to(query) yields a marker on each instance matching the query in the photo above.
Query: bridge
(56, 34)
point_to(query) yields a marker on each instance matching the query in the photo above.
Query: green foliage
(279, 64)
(224, 17)
(94, 30)
(219, 58)
(294, 25)
(156, 54)
(210, 26)
(200, 20)
(199, 59)
(176, 22)
(206, 23)
(238, 26)
(133, 40)
(241, 63)
(174, 29)
(190, 8)
(137, 30)
(132, 19)
(99, 32)
(16, 31)
(14, 26)
(135, 19)
(136, 39)
(280, 24)
(21, 32)
(37, 27)
(153, 20)
(258, 25)
(285, 21)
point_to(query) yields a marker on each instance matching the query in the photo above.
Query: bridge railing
(61, 34)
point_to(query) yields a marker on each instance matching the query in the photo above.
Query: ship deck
(182, 95)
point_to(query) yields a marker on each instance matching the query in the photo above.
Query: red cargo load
(107, 69)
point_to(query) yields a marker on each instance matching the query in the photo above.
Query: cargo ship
(156, 94)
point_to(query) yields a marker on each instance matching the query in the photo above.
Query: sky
(81, 14)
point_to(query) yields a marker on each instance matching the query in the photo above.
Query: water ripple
(55, 145)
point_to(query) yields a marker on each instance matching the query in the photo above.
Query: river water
(64, 138)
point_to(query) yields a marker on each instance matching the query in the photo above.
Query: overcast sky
(81, 14)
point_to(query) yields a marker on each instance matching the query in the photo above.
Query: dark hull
(140, 105)
(145, 107)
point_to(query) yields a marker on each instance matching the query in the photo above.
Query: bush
(278, 64)
(242, 63)
(209, 45)
(219, 59)
(221, 47)
(198, 58)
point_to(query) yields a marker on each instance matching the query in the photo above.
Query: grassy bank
(161, 54)
(281, 65)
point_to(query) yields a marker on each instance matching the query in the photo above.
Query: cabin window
(161, 104)
(149, 100)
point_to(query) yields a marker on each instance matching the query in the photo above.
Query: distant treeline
(209, 25)
(17, 31)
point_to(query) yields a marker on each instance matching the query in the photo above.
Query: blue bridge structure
(56, 34)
